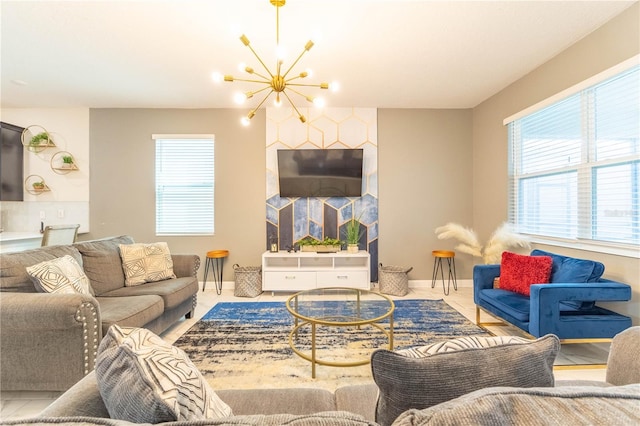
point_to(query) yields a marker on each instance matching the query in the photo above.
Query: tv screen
(320, 172)
(11, 164)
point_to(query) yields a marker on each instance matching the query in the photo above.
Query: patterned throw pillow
(61, 275)
(518, 272)
(444, 371)
(143, 379)
(146, 263)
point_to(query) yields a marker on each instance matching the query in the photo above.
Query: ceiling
(386, 54)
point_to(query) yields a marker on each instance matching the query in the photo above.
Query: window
(574, 165)
(184, 185)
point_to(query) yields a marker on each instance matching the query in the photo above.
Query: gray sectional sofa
(614, 402)
(49, 341)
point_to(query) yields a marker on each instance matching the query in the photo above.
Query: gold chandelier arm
(300, 116)
(307, 47)
(257, 57)
(263, 99)
(265, 81)
(321, 85)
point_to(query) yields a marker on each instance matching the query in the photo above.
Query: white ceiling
(389, 54)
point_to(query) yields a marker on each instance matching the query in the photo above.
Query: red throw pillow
(518, 272)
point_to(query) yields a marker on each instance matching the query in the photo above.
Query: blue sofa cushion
(572, 270)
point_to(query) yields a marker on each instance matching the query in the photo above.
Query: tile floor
(14, 405)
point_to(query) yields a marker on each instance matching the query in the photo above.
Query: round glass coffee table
(338, 307)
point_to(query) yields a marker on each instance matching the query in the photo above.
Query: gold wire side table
(338, 307)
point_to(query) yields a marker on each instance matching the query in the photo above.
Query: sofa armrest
(82, 399)
(185, 265)
(49, 341)
(545, 300)
(483, 276)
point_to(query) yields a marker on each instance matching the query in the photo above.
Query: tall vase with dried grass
(502, 239)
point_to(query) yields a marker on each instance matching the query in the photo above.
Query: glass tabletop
(340, 306)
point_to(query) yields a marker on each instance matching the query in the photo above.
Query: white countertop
(16, 236)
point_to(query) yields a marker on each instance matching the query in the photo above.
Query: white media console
(283, 271)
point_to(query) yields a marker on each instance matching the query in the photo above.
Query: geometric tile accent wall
(291, 219)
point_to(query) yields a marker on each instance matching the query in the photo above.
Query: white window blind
(574, 166)
(184, 185)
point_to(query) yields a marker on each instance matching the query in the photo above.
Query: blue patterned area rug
(239, 345)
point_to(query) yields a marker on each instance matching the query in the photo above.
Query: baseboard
(230, 285)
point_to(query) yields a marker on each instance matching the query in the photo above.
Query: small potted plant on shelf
(353, 234)
(38, 186)
(327, 245)
(41, 139)
(67, 162)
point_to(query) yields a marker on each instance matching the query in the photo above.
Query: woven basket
(248, 281)
(394, 280)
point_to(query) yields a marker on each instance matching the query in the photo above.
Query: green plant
(310, 241)
(67, 159)
(38, 185)
(353, 231)
(41, 138)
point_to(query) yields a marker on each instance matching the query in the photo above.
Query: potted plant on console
(327, 245)
(353, 234)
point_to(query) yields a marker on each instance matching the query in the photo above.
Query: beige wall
(122, 178)
(611, 44)
(424, 181)
(425, 173)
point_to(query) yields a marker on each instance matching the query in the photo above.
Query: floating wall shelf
(36, 138)
(58, 164)
(35, 190)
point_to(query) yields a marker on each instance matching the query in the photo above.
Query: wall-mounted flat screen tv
(320, 172)
(11, 163)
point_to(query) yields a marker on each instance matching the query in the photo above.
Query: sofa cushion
(60, 275)
(13, 266)
(134, 311)
(575, 405)
(146, 263)
(573, 270)
(518, 272)
(407, 382)
(173, 292)
(143, 379)
(102, 263)
(513, 304)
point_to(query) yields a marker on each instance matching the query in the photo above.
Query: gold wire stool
(438, 255)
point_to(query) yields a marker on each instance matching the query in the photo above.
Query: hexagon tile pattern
(291, 219)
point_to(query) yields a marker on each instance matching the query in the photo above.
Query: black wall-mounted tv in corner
(320, 172)
(11, 163)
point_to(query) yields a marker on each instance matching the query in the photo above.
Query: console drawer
(289, 280)
(355, 279)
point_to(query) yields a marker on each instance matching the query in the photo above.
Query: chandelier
(279, 82)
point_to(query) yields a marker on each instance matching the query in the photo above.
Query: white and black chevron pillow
(461, 343)
(143, 379)
(60, 275)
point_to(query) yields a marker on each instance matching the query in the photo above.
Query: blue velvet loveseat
(565, 306)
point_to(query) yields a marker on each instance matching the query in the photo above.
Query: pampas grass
(502, 239)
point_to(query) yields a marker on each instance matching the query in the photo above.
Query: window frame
(585, 170)
(184, 138)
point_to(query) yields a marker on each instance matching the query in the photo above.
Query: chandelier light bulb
(334, 86)
(239, 98)
(281, 52)
(245, 121)
(277, 102)
(309, 72)
(318, 102)
(242, 66)
(217, 77)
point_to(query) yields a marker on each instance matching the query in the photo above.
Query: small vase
(352, 248)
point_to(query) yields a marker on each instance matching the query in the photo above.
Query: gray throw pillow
(143, 379)
(408, 382)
